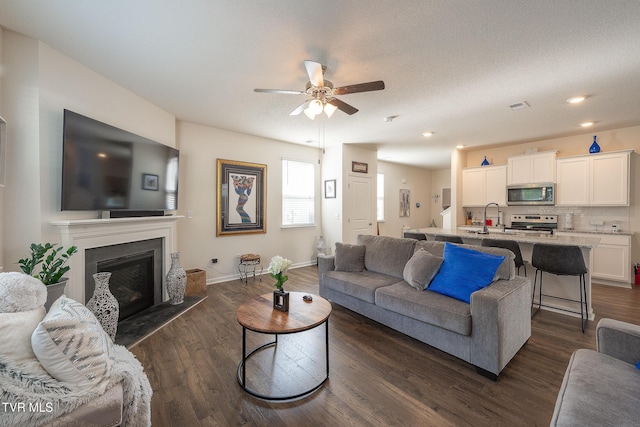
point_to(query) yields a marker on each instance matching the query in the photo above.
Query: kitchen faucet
(484, 222)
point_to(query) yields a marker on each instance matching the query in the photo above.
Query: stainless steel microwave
(531, 194)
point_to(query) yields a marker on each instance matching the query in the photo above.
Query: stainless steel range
(533, 223)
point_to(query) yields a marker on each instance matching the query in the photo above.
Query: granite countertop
(498, 233)
(607, 232)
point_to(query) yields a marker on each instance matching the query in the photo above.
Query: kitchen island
(566, 287)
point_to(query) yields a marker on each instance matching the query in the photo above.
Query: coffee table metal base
(242, 377)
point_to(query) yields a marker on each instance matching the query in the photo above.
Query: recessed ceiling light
(389, 119)
(586, 124)
(427, 134)
(459, 147)
(576, 99)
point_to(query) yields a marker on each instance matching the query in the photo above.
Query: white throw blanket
(46, 393)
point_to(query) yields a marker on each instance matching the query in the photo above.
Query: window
(298, 193)
(380, 198)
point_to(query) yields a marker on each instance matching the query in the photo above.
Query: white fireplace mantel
(95, 233)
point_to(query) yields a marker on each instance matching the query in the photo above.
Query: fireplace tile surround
(95, 233)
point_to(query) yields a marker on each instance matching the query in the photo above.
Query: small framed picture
(149, 182)
(330, 189)
(359, 167)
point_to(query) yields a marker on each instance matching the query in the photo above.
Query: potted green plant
(52, 260)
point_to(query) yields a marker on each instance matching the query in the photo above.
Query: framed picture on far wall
(405, 202)
(330, 189)
(359, 167)
(241, 198)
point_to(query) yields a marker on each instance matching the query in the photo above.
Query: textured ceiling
(452, 67)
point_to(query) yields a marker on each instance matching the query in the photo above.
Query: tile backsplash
(583, 218)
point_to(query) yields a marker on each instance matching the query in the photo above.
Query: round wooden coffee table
(258, 315)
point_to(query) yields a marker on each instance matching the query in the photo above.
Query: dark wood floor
(378, 376)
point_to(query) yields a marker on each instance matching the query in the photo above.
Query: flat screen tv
(109, 169)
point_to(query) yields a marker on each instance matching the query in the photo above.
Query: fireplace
(136, 273)
(88, 234)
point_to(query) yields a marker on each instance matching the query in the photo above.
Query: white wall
(200, 147)
(419, 182)
(20, 103)
(39, 83)
(332, 208)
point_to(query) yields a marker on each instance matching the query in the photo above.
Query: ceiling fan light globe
(329, 109)
(315, 106)
(309, 113)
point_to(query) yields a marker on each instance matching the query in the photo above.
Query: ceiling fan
(323, 94)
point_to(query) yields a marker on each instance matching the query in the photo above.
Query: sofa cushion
(72, 346)
(421, 269)
(426, 306)
(598, 390)
(464, 271)
(506, 271)
(359, 285)
(349, 257)
(386, 255)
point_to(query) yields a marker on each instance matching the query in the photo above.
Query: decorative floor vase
(176, 280)
(104, 305)
(281, 300)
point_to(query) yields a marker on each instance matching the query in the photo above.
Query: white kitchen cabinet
(593, 180)
(534, 168)
(572, 187)
(484, 185)
(609, 179)
(611, 258)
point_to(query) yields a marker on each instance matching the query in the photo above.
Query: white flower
(279, 265)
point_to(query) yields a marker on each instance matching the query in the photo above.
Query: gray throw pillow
(349, 257)
(421, 269)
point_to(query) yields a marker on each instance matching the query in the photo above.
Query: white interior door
(360, 207)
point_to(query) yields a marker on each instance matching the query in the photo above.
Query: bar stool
(513, 246)
(448, 238)
(417, 236)
(561, 261)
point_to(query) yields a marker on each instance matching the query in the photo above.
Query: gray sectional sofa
(487, 333)
(602, 388)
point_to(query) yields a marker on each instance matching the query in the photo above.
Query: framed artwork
(149, 182)
(241, 198)
(359, 167)
(330, 189)
(405, 202)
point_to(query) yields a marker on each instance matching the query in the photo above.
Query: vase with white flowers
(278, 267)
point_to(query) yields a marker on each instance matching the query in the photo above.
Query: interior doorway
(360, 207)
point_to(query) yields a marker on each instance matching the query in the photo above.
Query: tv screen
(106, 168)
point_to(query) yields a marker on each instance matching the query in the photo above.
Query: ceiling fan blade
(361, 87)
(342, 106)
(314, 70)
(299, 109)
(285, 91)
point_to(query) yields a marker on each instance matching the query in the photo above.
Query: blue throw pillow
(464, 271)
